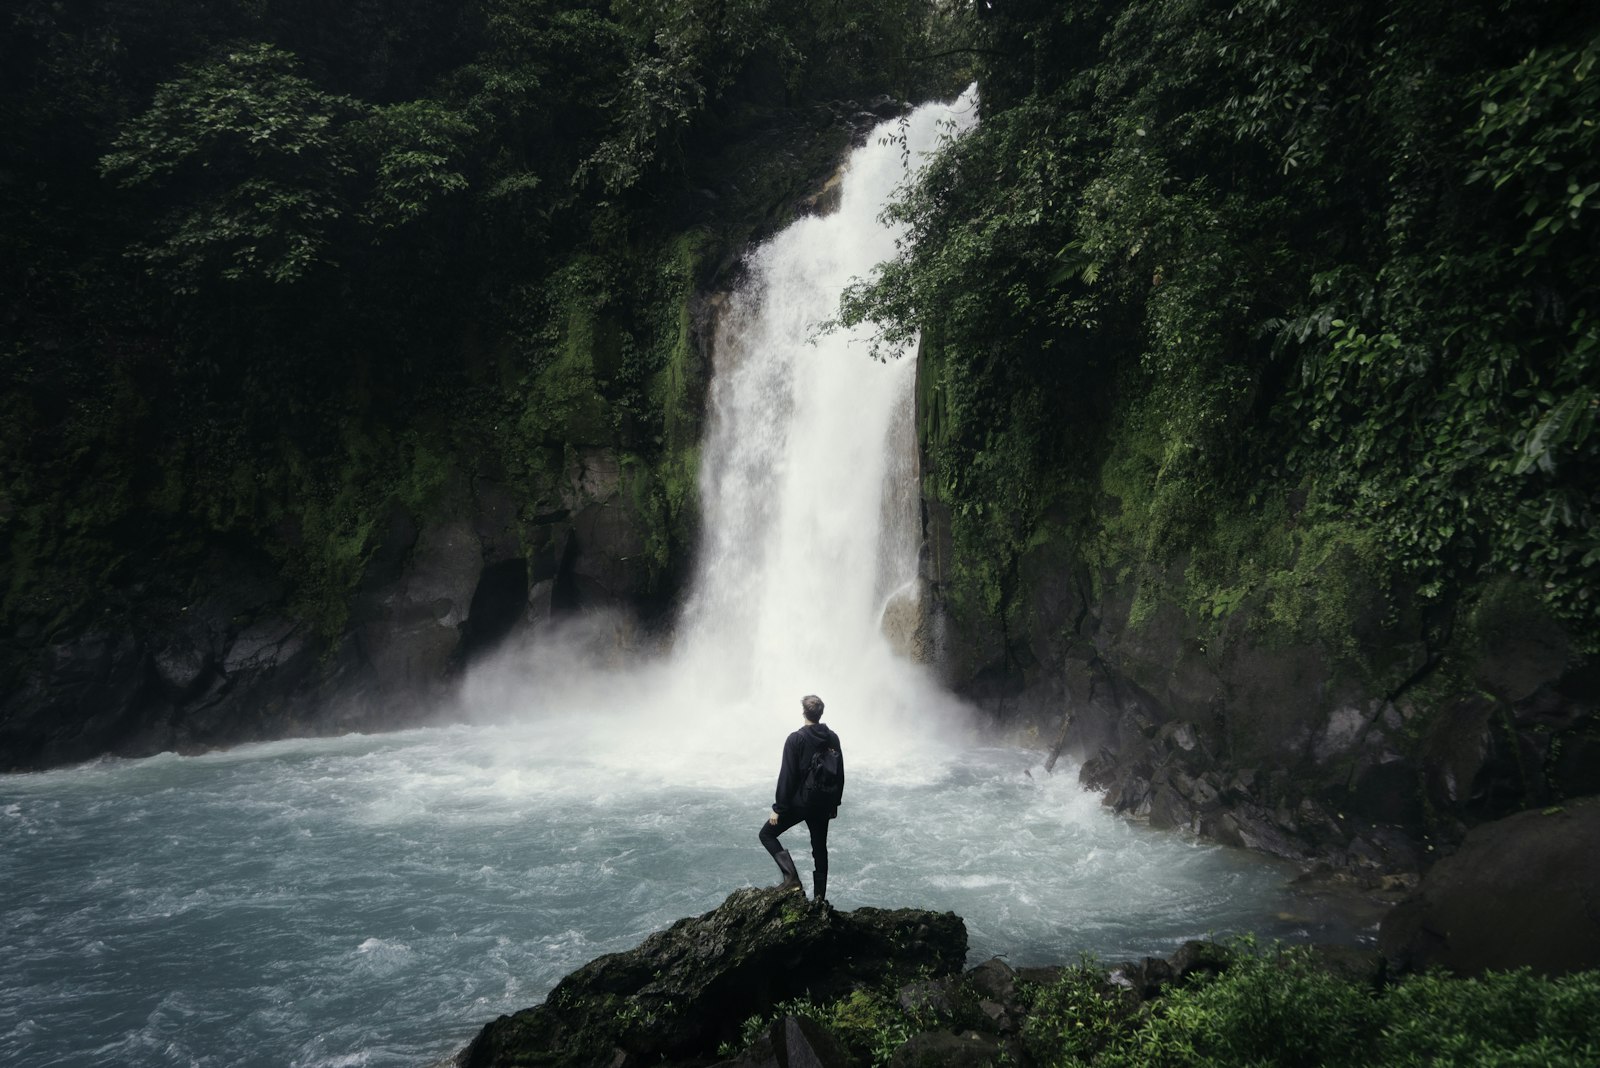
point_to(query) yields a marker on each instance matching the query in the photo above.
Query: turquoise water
(375, 900)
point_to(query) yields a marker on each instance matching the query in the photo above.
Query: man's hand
(773, 819)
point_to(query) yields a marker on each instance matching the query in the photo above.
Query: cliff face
(1366, 741)
(586, 521)
(439, 586)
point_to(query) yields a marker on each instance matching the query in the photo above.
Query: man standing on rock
(810, 784)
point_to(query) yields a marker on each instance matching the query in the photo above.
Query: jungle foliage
(1239, 288)
(274, 266)
(1278, 1007)
(1271, 1005)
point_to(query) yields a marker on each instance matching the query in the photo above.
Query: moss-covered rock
(685, 990)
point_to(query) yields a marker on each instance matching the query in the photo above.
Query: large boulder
(409, 629)
(1521, 891)
(686, 989)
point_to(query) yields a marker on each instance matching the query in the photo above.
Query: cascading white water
(809, 518)
(374, 900)
(805, 485)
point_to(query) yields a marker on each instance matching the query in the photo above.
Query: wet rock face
(685, 990)
(1357, 758)
(239, 665)
(1521, 891)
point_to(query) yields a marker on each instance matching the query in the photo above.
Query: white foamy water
(375, 900)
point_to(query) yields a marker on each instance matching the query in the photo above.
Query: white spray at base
(810, 526)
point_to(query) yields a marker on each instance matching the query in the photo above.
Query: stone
(595, 475)
(927, 995)
(995, 979)
(686, 989)
(997, 1015)
(82, 700)
(807, 1044)
(182, 664)
(1454, 753)
(606, 562)
(1142, 979)
(262, 646)
(1523, 891)
(443, 571)
(1383, 788)
(410, 630)
(1195, 958)
(1576, 769)
(1341, 734)
(946, 1049)
(1168, 809)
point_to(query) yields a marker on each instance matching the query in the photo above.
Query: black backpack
(824, 782)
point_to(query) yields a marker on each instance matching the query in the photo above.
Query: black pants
(817, 825)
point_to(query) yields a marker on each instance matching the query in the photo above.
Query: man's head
(811, 707)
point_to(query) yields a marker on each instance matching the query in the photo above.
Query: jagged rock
(998, 1017)
(928, 995)
(1521, 891)
(807, 1044)
(686, 989)
(1455, 752)
(995, 979)
(409, 630)
(1195, 958)
(945, 1049)
(1144, 979)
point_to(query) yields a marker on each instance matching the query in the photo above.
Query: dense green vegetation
(1257, 305)
(1279, 1008)
(1273, 1007)
(279, 266)
(1264, 303)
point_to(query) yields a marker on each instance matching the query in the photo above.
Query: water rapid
(374, 900)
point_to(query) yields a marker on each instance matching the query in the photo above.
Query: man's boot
(819, 885)
(791, 875)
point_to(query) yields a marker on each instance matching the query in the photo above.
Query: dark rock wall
(1521, 892)
(685, 990)
(437, 591)
(1372, 754)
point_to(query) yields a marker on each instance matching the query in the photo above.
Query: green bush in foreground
(1278, 1007)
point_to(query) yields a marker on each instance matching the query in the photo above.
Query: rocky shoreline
(769, 978)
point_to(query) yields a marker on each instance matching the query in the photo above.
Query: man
(787, 806)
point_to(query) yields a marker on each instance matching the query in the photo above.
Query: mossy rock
(686, 989)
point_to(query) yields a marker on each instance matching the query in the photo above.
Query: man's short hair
(811, 707)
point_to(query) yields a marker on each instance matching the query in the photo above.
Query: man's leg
(818, 826)
(769, 838)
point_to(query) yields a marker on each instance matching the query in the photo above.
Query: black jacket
(798, 749)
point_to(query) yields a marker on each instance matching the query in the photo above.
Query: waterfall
(809, 477)
(806, 580)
